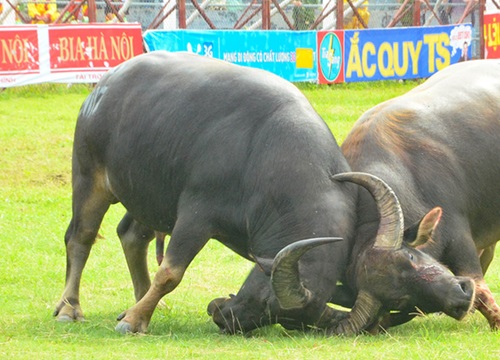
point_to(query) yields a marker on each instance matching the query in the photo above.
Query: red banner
(71, 53)
(92, 47)
(492, 36)
(18, 52)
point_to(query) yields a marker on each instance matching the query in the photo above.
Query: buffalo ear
(422, 232)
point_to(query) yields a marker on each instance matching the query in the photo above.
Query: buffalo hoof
(66, 312)
(64, 318)
(124, 327)
(127, 324)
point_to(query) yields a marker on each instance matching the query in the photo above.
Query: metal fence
(230, 14)
(287, 14)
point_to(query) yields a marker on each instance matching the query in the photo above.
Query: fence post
(340, 15)
(416, 13)
(181, 5)
(92, 11)
(266, 14)
(482, 7)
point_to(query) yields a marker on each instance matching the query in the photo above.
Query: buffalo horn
(391, 228)
(365, 313)
(285, 278)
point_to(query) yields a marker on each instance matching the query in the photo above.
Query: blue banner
(404, 53)
(289, 54)
(363, 55)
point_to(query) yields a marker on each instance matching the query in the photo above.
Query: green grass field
(36, 130)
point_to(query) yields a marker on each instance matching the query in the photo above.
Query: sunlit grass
(36, 127)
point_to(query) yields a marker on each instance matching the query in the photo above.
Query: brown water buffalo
(438, 148)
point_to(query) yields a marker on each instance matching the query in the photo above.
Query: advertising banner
(492, 36)
(19, 53)
(77, 53)
(330, 56)
(404, 53)
(289, 54)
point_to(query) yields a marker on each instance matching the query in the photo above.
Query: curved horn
(285, 278)
(365, 313)
(391, 228)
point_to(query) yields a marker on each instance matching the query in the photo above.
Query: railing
(260, 14)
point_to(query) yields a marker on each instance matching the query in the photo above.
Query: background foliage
(36, 129)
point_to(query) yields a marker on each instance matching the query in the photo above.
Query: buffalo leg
(188, 238)
(486, 257)
(89, 206)
(464, 260)
(486, 304)
(484, 300)
(135, 239)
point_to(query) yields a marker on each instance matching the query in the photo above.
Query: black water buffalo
(200, 149)
(438, 148)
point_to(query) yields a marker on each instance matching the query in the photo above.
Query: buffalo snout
(234, 316)
(461, 298)
(215, 310)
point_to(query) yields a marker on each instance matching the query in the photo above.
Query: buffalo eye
(411, 257)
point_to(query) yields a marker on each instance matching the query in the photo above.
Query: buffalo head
(387, 273)
(255, 305)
